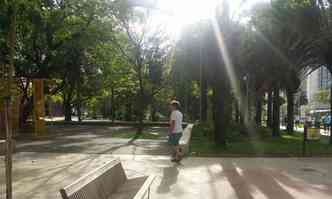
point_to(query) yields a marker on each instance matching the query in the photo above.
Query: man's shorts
(174, 138)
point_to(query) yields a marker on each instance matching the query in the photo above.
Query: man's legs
(173, 152)
(178, 152)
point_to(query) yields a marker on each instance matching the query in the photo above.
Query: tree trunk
(140, 117)
(276, 112)
(142, 104)
(219, 120)
(153, 111)
(140, 125)
(237, 112)
(258, 116)
(67, 110)
(290, 111)
(186, 100)
(112, 105)
(11, 71)
(79, 112)
(128, 113)
(269, 109)
(204, 98)
(223, 108)
(249, 113)
(241, 119)
(26, 109)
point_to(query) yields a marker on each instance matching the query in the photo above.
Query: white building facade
(316, 82)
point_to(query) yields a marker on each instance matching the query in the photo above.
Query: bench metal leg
(149, 193)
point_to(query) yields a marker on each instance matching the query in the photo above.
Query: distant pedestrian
(327, 122)
(175, 130)
(297, 123)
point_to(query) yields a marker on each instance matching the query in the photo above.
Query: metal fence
(2, 178)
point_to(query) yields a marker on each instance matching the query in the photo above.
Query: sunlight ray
(228, 64)
(235, 84)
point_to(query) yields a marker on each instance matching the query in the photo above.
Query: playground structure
(10, 109)
(38, 114)
(39, 107)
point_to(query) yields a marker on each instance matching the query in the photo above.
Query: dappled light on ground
(98, 140)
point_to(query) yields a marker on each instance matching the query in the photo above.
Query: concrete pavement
(42, 167)
(40, 175)
(94, 140)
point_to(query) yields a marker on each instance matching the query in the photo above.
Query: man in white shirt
(175, 130)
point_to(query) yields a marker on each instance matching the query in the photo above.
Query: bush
(264, 132)
(203, 130)
(236, 132)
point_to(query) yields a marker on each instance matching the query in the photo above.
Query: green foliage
(105, 64)
(322, 96)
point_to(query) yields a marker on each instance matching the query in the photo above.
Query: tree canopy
(104, 58)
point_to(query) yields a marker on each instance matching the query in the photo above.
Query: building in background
(315, 88)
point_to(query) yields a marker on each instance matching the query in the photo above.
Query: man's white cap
(175, 102)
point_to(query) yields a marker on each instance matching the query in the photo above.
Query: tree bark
(219, 119)
(237, 112)
(128, 113)
(204, 98)
(141, 100)
(79, 112)
(67, 110)
(249, 103)
(186, 99)
(258, 116)
(153, 111)
(290, 111)
(276, 112)
(11, 70)
(112, 105)
(269, 109)
(223, 107)
(26, 109)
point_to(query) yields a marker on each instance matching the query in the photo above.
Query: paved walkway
(42, 167)
(41, 175)
(94, 140)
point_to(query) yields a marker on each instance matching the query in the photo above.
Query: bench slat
(108, 182)
(98, 184)
(145, 189)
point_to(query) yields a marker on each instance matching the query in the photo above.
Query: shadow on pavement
(169, 178)
(95, 140)
(272, 183)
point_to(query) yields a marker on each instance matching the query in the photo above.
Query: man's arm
(172, 126)
(172, 122)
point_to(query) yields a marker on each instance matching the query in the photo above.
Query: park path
(42, 167)
(94, 140)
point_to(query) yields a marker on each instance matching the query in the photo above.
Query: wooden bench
(109, 182)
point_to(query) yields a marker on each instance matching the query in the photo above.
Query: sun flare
(175, 14)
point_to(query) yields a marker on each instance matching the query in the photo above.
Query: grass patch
(262, 143)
